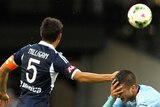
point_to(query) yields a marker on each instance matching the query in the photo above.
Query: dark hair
(50, 29)
(126, 77)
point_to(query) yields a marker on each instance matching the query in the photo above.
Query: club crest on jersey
(70, 69)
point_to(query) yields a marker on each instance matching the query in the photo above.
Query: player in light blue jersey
(40, 65)
(126, 92)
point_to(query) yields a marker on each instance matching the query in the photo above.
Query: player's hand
(4, 98)
(114, 74)
(116, 89)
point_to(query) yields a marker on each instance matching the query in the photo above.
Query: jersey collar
(46, 44)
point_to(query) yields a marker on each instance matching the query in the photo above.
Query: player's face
(127, 94)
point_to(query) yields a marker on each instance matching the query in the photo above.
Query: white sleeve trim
(74, 73)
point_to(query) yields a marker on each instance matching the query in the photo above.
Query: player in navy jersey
(40, 65)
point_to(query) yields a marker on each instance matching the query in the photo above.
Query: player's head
(128, 81)
(50, 29)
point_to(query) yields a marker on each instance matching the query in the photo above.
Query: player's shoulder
(39, 48)
(31, 46)
(25, 47)
(146, 87)
(148, 90)
(147, 95)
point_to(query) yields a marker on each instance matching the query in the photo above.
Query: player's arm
(109, 102)
(116, 91)
(7, 66)
(93, 77)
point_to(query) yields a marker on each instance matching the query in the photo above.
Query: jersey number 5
(31, 66)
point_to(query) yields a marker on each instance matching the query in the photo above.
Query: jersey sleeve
(118, 103)
(18, 55)
(109, 102)
(63, 66)
(114, 102)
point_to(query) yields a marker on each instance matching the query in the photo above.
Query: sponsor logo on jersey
(71, 69)
(30, 88)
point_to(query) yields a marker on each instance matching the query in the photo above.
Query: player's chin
(124, 100)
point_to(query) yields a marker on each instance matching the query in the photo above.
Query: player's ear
(134, 87)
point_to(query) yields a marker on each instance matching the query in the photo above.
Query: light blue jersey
(146, 97)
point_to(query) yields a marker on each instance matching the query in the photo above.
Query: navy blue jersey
(40, 65)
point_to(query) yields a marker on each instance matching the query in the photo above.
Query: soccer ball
(139, 16)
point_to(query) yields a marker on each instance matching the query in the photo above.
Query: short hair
(50, 29)
(126, 77)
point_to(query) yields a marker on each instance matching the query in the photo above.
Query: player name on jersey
(38, 53)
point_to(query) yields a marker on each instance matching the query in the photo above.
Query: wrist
(112, 98)
(2, 91)
(110, 77)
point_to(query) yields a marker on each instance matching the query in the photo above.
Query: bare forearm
(6, 67)
(3, 82)
(4, 72)
(92, 77)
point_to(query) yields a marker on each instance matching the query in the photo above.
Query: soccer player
(126, 92)
(40, 65)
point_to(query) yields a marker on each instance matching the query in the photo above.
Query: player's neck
(136, 91)
(55, 44)
(138, 88)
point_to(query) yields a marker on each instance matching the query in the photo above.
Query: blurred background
(96, 38)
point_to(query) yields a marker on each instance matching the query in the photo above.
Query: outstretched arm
(4, 72)
(93, 77)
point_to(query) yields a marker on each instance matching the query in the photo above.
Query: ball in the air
(139, 16)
